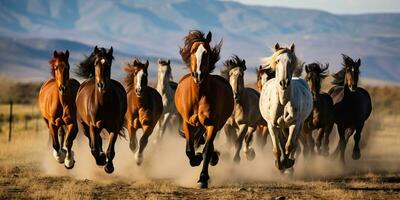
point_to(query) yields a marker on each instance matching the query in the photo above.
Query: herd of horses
(286, 106)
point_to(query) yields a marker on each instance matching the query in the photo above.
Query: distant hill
(151, 28)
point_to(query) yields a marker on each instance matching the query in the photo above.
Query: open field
(27, 168)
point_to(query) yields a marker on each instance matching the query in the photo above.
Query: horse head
(197, 54)
(102, 67)
(60, 70)
(137, 76)
(283, 61)
(264, 74)
(164, 70)
(316, 72)
(234, 71)
(352, 71)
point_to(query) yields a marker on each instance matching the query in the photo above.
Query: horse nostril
(281, 83)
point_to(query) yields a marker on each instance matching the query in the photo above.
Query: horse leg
(274, 132)
(320, 136)
(291, 144)
(109, 167)
(71, 135)
(357, 136)
(239, 142)
(249, 151)
(230, 133)
(61, 135)
(208, 152)
(310, 143)
(58, 154)
(194, 159)
(325, 146)
(147, 131)
(303, 142)
(95, 140)
(344, 135)
(132, 138)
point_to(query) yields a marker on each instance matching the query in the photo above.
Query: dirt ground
(28, 171)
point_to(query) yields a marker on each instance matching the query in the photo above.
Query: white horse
(166, 87)
(285, 103)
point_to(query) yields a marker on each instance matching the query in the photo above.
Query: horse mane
(298, 70)
(269, 61)
(318, 68)
(86, 67)
(338, 77)
(267, 69)
(231, 63)
(131, 68)
(198, 36)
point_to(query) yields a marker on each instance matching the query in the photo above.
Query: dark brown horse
(101, 104)
(321, 117)
(57, 106)
(202, 99)
(144, 106)
(352, 106)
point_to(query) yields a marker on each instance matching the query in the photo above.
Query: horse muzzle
(62, 89)
(284, 84)
(138, 92)
(101, 86)
(197, 78)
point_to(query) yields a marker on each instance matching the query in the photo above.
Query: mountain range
(31, 29)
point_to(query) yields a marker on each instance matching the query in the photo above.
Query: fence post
(10, 121)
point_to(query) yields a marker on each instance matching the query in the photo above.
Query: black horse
(352, 106)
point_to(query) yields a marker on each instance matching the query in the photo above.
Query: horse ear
(96, 50)
(55, 54)
(277, 47)
(169, 61)
(110, 51)
(159, 61)
(292, 47)
(67, 54)
(358, 62)
(307, 68)
(209, 35)
(147, 63)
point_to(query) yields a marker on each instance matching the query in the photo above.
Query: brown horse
(144, 106)
(246, 114)
(264, 74)
(321, 117)
(352, 106)
(57, 106)
(101, 104)
(202, 99)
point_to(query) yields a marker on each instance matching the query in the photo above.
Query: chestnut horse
(57, 106)
(321, 117)
(144, 106)
(246, 114)
(202, 99)
(101, 104)
(352, 106)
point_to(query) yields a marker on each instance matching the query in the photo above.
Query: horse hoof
(214, 158)
(278, 165)
(139, 158)
(288, 163)
(196, 160)
(203, 185)
(69, 164)
(101, 160)
(109, 168)
(59, 155)
(236, 159)
(356, 155)
(250, 154)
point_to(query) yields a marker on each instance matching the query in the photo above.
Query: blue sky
(335, 6)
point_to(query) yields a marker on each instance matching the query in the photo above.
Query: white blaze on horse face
(199, 56)
(102, 61)
(139, 77)
(283, 67)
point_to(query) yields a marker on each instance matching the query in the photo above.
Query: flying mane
(231, 63)
(198, 36)
(86, 67)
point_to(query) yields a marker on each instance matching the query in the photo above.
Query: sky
(335, 6)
